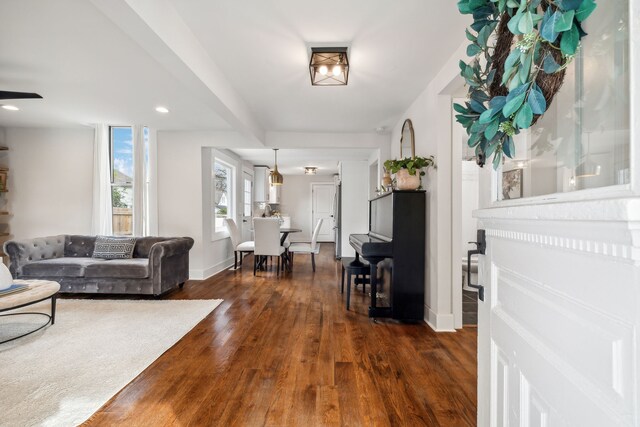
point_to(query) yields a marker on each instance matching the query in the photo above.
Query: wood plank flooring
(283, 351)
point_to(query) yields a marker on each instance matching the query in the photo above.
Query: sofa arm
(169, 263)
(170, 247)
(24, 251)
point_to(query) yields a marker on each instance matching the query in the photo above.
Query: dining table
(284, 233)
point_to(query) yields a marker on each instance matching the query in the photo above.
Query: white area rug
(62, 374)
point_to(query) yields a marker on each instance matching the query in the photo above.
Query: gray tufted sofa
(158, 265)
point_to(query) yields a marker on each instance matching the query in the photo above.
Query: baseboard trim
(439, 322)
(210, 271)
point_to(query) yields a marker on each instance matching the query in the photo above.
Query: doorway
(322, 197)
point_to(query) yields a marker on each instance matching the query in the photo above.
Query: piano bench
(354, 270)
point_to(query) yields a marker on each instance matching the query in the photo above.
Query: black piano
(395, 249)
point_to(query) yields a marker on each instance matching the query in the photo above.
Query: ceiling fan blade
(4, 94)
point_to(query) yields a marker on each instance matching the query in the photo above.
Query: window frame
(220, 232)
(113, 184)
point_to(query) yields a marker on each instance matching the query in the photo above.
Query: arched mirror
(407, 141)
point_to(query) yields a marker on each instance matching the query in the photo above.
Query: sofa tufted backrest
(143, 246)
(27, 250)
(79, 246)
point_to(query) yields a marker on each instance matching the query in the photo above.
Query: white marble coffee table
(39, 290)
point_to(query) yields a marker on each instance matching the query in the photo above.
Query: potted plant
(409, 170)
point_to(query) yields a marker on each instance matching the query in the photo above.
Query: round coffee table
(39, 290)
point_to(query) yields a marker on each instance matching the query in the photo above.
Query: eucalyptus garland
(513, 81)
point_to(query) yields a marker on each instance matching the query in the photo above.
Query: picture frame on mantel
(512, 184)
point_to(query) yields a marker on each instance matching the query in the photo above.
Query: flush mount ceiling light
(310, 170)
(161, 109)
(275, 177)
(329, 66)
(10, 107)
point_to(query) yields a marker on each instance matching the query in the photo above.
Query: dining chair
(239, 248)
(312, 248)
(267, 240)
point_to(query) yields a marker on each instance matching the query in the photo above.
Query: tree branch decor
(513, 82)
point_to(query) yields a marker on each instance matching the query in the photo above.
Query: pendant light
(275, 177)
(588, 167)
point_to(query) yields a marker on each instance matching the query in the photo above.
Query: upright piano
(395, 249)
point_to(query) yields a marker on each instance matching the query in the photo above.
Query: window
(223, 193)
(121, 147)
(122, 177)
(247, 200)
(583, 141)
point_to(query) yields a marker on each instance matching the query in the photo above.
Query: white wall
(184, 193)
(295, 201)
(354, 176)
(431, 114)
(50, 181)
(469, 203)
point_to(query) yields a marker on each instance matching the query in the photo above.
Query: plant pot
(404, 181)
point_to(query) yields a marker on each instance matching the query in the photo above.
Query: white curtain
(101, 222)
(139, 181)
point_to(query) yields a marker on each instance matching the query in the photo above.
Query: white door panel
(559, 324)
(322, 199)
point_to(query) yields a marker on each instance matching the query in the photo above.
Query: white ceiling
(87, 70)
(396, 48)
(113, 61)
(293, 161)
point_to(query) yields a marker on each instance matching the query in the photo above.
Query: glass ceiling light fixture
(310, 170)
(588, 167)
(329, 66)
(275, 177)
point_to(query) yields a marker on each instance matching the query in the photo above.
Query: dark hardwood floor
(284, 351)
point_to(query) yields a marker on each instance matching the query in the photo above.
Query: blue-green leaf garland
(539, 27)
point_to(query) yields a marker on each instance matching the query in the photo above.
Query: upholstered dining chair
(239, 248)
(267, 241)
(312, 248)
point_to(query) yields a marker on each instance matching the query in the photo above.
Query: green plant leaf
(536, 101)
(524, 117)
(474, 139)
(513, 105)
(570, 40)
(585, 9)
(548, 31)
(508, 147)
(517, 91)
(512, 59)
(550, 65)
(525, 26)
(476, 106)
(565, 22)
(487, 116)
(514, 22)
(526, 67)
(569, 4)
(473, 50)
(483, 36)
(497, 159)
(497, 103)
(492, 129)
(459, 108)
(470, 36)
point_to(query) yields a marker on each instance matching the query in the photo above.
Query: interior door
(322, 199)
(247, 205)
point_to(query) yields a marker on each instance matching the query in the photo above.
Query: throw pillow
(114, 247)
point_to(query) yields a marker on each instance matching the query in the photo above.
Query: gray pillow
(107, 247)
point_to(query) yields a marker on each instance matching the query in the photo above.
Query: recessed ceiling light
(10, 107)
(163, 110)
(310, 170)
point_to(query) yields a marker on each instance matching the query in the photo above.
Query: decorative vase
(6, 280)
(387, 182)
(404, 181)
